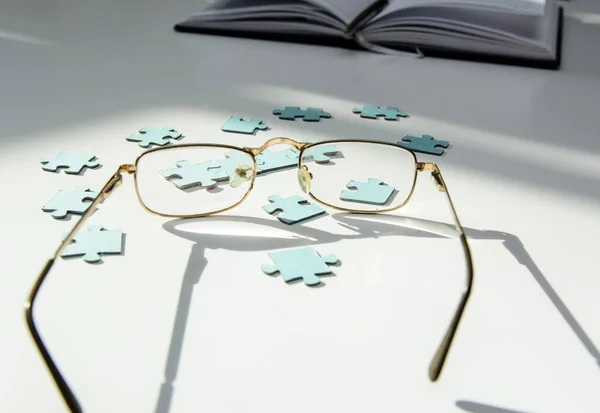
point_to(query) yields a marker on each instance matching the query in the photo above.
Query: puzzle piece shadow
(69, 216)
(364, 226)
(389, 202)
(474, 407)
(276, 213)
(255, 133)
(101, 260)
(391, 198)
(212, 190)
(81, 173)
(322, 284)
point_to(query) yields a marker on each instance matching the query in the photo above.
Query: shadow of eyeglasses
(363, 226)
(300, 236)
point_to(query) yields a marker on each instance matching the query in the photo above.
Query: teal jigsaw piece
(308, 115)
(65, 202)
(71, 163)
(319, 153)
(238, 125)
(187, 174)
(372, 112)
(293, 209)
(268, 160)
(207, 174)
(372, 192)
(93, 243)
(301, 263)
(153, 136)
(426, 144)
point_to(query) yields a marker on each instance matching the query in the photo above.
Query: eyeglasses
(195, 180)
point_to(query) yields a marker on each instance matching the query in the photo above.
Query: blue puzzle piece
(188, 175)
(273, 160)
(72, 162)
(309, 115)
(372, 192)
(152, 136)
(301, 263)
(94, 242)
(64, 202)
(372, 112)
(238, 125)
(426, 144)
(294, 209)
(319, 153)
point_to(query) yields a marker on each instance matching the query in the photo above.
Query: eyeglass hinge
(127, 168)
(435, 174)
(426, 166)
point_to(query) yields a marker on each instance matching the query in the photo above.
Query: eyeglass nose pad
(241, 174)
(304, 178)
(435, 177)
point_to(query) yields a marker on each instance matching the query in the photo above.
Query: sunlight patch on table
(511, 147)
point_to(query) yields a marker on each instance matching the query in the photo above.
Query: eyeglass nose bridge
(277, 141)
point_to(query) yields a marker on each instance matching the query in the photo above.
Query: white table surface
(185, 321)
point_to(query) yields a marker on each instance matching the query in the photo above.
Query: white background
(186, 321)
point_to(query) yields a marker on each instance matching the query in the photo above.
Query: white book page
(522, 6)
(230, 12)
(250, 6)
(345, 10)
(518, 19)
(511, 27)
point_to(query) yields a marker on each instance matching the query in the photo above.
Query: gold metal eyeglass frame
(437, 362)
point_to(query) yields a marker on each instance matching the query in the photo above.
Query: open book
(513, 31)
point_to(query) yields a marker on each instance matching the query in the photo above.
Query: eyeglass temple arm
(61, 383)
(439, 358)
